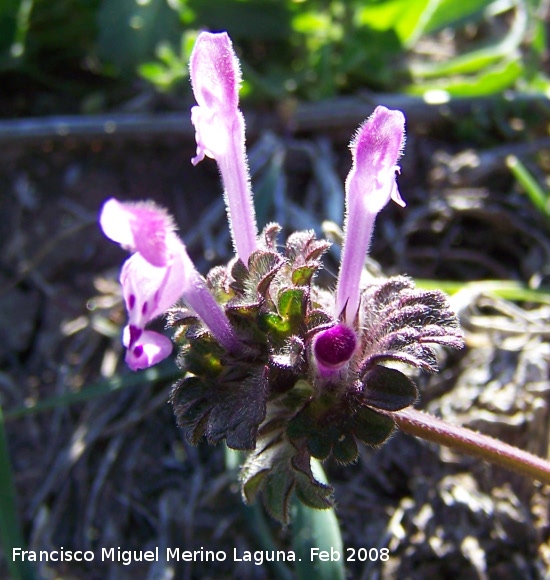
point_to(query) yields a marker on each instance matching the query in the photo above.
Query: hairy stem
(431, 428)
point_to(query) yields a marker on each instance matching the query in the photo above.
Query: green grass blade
(506, 289)
(319, 529)
(256, 517)
(405, 17)
(539, 198)
(116, 383)
(10, 530)
(492, 80)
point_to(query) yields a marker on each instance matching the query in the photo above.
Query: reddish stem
(439, 431)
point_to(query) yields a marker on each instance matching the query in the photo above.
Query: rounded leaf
(388, 389)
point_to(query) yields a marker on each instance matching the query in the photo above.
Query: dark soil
(116, 472)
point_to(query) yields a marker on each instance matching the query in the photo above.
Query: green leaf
(388, 389)
(291, 304)
(267, 470)
(303, 250)
(130, 31)
(9, 12)
(297, 245)
(475, 61)
(469, 63)
(539, 198)
(303, 275)
(276, 468)
(273, 323)
(262, 267)
(404, 16)
(320, 445)
(316, 318)
(345, 449)
(8, 20)
(371, 427)
(250, 20)
(328, 424)
(230, 407)
(493, 80)
(252, 486)
(277, 493)
(451, 13)
(169, 68)
(309, 490)
(491, 68)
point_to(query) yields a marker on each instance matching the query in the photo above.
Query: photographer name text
(258, 557)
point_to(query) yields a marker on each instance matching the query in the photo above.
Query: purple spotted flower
(154, 278)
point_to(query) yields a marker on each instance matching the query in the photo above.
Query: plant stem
(415, 422)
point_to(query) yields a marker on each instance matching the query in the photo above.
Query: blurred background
(94, 103)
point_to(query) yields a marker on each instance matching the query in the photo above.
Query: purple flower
(219, 126)
(375, 149)
(148, 292)
(333, 348)
(154, 278)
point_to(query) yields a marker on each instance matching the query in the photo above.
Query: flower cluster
(271, 362)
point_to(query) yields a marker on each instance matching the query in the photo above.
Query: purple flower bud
(333, 348)
(155, 277)
(219, 126)
(375, 149)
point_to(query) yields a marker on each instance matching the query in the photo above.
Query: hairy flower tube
(376, 148)
(271, 362)
(219, 124)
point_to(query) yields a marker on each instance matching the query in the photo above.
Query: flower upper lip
(371, 183)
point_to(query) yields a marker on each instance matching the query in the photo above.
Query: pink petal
(376, 149)
(139, 227)
(212, 134)
(148, 350)
(115, 224)
(148, 290)
(215, 71)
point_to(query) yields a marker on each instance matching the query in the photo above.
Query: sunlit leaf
(130, 31)
(490, 81)
(451, 12)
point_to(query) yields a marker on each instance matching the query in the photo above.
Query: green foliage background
(311, 49)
